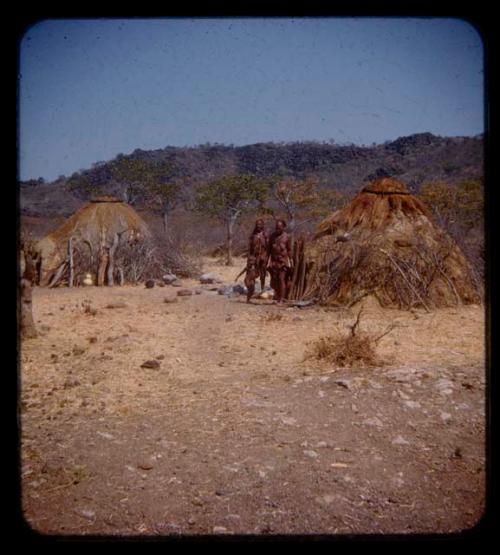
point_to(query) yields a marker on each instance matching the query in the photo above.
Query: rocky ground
(229, 429)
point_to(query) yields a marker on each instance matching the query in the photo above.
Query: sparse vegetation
(347, 350)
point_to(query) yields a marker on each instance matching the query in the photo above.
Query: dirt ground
(234, 432)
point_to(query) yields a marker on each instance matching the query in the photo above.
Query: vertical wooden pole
(27, 324)
(111, 262)
(70, 259)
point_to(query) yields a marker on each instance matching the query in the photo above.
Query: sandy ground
(234, 432)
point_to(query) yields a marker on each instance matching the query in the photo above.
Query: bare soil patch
(233, 432)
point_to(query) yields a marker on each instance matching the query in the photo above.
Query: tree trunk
(120, 278)
(27, 324)
(165, 222)
(70, 259)
(103, 263)
(57, 276)
(229, 243)
(111, 262)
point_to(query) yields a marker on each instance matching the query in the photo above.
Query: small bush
(354, 349)
(347, 351)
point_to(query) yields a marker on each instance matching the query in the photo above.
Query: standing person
(257, 258)
(280, 257)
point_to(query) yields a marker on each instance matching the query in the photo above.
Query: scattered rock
(78, 351)
(412, 404)
(220, 530)
(326, 500)
(160, 357)
(86, 513)
(375, 421)
(310, 453)
(170, 300)
(344, 383)
(444, 385)
(209, 278)
(198, 291)
(119, 304)
(105, 435)
(161, 284)
(445, 416)
(176, 283)
(71, 383)
(239, 289)
(289, 420)
(184, 293)
(145, 465)
(153, 364)
(150, 283)
(92, 339)
(400, 440)
(168, 279)
(225, 290)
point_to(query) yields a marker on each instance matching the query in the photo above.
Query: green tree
(454, 205)
(131, 174)
(149, 181)
(164, 196)
(228, 198)
(82, 185)
(303, 201)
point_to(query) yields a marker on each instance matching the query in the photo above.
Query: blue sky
(91, 89)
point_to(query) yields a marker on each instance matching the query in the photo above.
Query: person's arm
(268, 250)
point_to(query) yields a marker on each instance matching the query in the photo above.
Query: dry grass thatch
(99, 223)
(385, 244)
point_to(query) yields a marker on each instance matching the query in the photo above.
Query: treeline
(414, 159)
(184, 189)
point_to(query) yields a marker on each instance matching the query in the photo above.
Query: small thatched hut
(385, 244)
(86, 241)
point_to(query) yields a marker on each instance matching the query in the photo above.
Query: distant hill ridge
(415, 159)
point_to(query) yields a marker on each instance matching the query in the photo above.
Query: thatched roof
(91, 226)
(385, 243)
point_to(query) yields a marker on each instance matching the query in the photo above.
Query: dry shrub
(354, 349)
(345, 351)
(153, 258)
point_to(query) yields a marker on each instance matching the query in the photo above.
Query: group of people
(269, 253)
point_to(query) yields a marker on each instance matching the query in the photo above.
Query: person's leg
(262, 277)
(282, 286)
(250, 285)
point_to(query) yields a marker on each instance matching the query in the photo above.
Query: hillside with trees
(300, 181)
(415, 159)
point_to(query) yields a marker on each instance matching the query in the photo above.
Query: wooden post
(57, 276)
(301, 274)
(103, 263)
(27, 324)
(70, 261)
(229, 242)
(111, 262)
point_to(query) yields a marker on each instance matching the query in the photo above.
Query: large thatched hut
(86, 241)
(386, 244)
